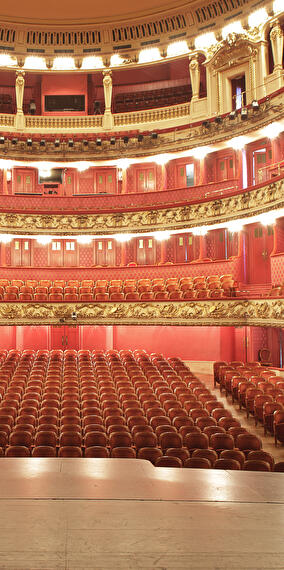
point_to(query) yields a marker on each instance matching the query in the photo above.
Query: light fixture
(238, 143)
(70, 143)
(177, 48)
(116, 60)
(84, 240)
(255, 105)
(205, 40)
(267, 219)
(85, 142)
(8, 175)
(2, 140)
(233, 28)
(122, 238)
(6, 60)
(277, 6)
(42, 142)
(123, 163)
(161, 236)
(244, 113)
(218, 120)
(235, 226)
(257, 18)
(43, 240)
(232, 115)
(5, 238)
(272, 131)
(92, 62)
(82, 166)
(154, 136)
(63, 63)
(148, 55)
(29, 142)
(35, 62)
(206, 124)
(57, 143)
(99, 142)
(162, 159)
(201, 152)
(14, 141)
(125, 140)
(202, 231)
(140, 138)
(112, 141)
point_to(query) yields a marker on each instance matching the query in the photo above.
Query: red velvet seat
(168, 462)
(70, 451)
(44, 451)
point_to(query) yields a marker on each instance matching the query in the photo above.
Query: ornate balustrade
(239, 312)
(119, 202)
(242, 204)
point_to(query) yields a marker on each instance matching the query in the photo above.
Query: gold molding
(237, 312)
(224, 209)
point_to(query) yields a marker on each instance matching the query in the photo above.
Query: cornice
(264, 313)
(263, 199)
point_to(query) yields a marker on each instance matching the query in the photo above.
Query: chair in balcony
(10, 297)
(228, 464)
(102, 297)
(17, 451)
(197, 463)
(256, 465)
(71, 297)
(26, 297)
(70, 451)
(45, 283)
(165, 461)
(132, 296)
(56, 297)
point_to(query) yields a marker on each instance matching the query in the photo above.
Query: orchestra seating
(258, 390)
(173, 288)
(121, 405)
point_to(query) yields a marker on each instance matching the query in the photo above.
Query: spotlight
(14, 141)
(2, 140)
(244, 113)
(218, 120)
(112, 140)
(85, 142)
(70, 143)
(206, 124)
(29, 142)
(255, 105)
(99, 142)
(57, 143)
(42, 142)
(154, 136)
(232, 115)
(125, 140)
(140, 138)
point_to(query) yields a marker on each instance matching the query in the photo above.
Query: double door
(63, 253)
(21, 252)
(104, 252)
(64, 337)
(145, 251)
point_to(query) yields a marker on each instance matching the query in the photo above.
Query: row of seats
(257, 389)
(139, 100)
(123, 404)
(117, 290)
(277, 291)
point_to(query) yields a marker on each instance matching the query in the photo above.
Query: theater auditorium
(142, 285)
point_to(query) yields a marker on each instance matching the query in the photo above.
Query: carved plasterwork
(238, 312)
(219, 210)
(231, 51)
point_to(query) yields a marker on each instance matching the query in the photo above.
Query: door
(145, 179)
(70, 253)
(259, 247)
(24, 181)
(21, 252)
(69, 183)
(105, 252)
(225, 168)
(145, 251)
(185, 175)
(64, 337)
(105, 182)
(260, 159)
(238, 92)
(181, 249)
(56, 253)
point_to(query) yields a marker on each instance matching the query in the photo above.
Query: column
(202, 247)
(163, 251)
(3, 254)
(123, 254)
(275, 239)
(240, 243)
(107, 82)
(20, 86)
(194, 77)
(5, 183)
(123, 181)
(202, 171)
(276, 37)
(163, 177)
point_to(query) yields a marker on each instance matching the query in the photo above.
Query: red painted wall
(64, 84)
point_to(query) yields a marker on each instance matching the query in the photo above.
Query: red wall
(64, 84)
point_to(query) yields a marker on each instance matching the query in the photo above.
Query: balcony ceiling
(61, 11)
